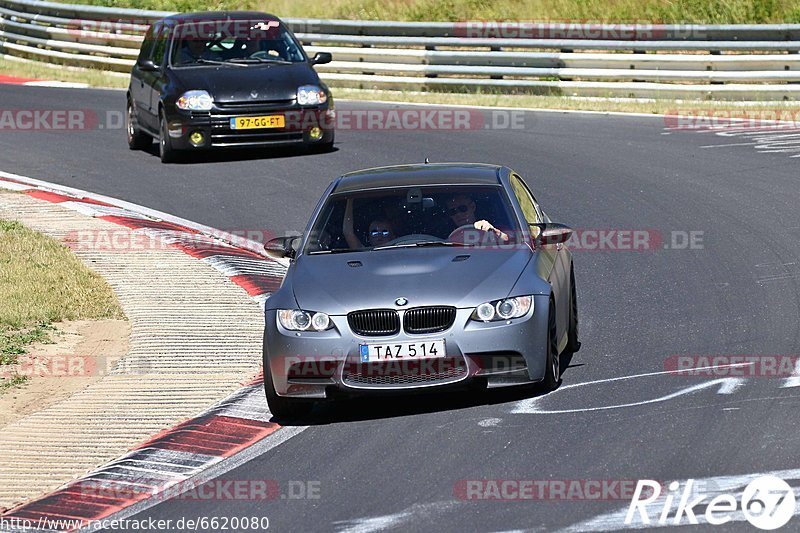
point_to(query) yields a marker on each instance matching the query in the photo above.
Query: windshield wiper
(254, 60)
(205, 61)
(334, 251)
(418, 244)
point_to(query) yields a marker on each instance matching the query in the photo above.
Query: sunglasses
(380, 233)
(458, 209)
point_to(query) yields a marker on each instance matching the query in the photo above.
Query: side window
(161, 46)
(149, 42)
(525, 200)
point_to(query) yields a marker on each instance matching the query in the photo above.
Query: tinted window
(525, 200)
(149, 43)
(161, 46)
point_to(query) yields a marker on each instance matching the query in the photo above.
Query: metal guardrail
(687, 61)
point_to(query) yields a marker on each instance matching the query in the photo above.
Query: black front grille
(429, 319)
(374, 322)
(254, 106)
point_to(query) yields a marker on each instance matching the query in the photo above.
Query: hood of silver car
(462, 277)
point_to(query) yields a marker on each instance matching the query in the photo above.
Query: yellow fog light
(196, 138)
(315, 133)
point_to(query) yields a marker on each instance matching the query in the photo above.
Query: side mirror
(552, 233)
(321, 58)
(146, 65)
(281, 247)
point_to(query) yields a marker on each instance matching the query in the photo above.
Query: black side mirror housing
(553, 233)
(321, 58)
(281, 247)
(146, 65)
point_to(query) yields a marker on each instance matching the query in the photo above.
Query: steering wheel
(264, 54)
(414, 237)
(458, 234)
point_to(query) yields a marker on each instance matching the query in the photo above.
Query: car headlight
(505, 309)
(311, 95)
(299, 320)
(195, 101)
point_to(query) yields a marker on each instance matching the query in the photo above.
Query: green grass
(665, 11)
(41, 282)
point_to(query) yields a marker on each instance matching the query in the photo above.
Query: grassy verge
(41, 282)
(667, 11)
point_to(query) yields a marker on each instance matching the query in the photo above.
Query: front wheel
(280, 407)
(137, 139)
(165, 150)
(552, 371)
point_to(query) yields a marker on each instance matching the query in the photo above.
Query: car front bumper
(215, 130)
(320, 364)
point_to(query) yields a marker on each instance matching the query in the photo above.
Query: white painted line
(794, 379)
(14, 186)
(57, 84)
(529, 406)
(727, 145)
(727, 386)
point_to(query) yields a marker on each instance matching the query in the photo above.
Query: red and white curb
(219, 439)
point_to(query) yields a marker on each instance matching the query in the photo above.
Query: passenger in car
(380, 232)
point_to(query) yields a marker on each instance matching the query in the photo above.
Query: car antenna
(427, 160)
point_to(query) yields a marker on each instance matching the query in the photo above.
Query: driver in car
(461, 210)
(194, 48)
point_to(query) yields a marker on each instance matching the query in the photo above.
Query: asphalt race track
(402, 462)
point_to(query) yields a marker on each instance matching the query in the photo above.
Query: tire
(573, 344)
(284, 408)
(165, 150)
(552, 372)
(137, 139)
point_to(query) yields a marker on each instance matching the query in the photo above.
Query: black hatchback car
(226, 79)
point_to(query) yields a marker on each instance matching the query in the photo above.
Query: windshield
(237, 41)
(414, 217)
